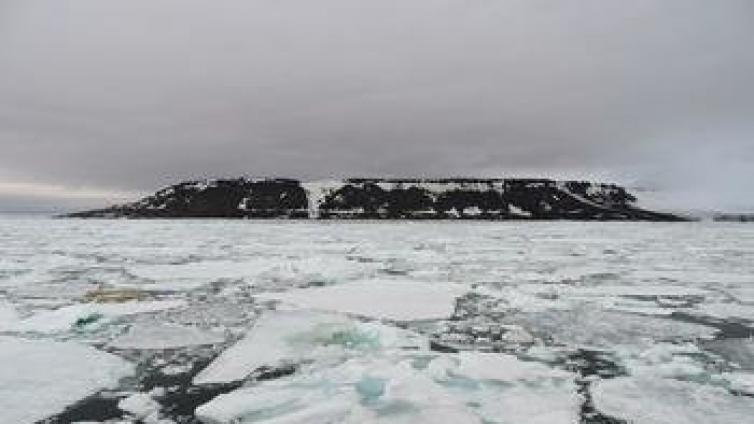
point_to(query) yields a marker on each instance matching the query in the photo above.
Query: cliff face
(377, 198)
(232, 198)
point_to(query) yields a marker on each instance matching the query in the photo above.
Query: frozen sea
(233, 321)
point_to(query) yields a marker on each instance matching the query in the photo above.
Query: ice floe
(259, 271)
(727, 310)
(289, 338)
(639, 290)
(654, 400)
(83, 314)
(742, 382)
(591, 326)
(141, 406)
(382, 299)
(40, 378)
(8, 316)
(164, 336)
(406, 389)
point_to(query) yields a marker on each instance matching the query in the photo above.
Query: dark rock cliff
(379, 198)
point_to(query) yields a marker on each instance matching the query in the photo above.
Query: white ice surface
(186, 276)
(381, 299)
(164, 336)
(395, 389)
(291, 337)
(742, 382)
(40, 378)
(592, 326)
(259, 271)
(653, 400)
(140, 405)
(498, 367)
(637, 290)
(727, 310)
(63, 319)
(8, 316)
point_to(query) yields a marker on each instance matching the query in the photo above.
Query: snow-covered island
(381, 198)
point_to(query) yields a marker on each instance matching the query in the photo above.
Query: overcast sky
(102, 100)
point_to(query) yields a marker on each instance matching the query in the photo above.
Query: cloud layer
(131, 95)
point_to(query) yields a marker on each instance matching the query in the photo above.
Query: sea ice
(590, 326)
(65, 318)
(381, 299)
(284, 338)
(653, 400)
(728, 310)
(164, 336)
(40, 378)
(495, 366)
(398, 389)
(259, 271)
(742, 382)
(8, 316)
(671, 360)
(186, 276)
(638, 290)
(503, 386)
(744, 294)
(738, 352)
(140, 405)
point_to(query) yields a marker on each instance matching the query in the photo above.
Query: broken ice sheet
(40, 378)
(728, 310)
(284, 338)
(407, 388)
(739, 353)
(654, 400)
(740, 382)
(587, 325)
(140, 406)
(382, 299)
(82, 314)
(260, 271)
(164, 336)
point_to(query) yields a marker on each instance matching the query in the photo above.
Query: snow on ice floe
(40, 378)
(186, 276)
(591, 326)
(744, 294)
(359, 372)
(68, 317)
(639, 290)
(8, 316)
(408, 388)
(741, 382)
(260, 271)
(494, 367)
(382, 299)
(164, 336)
(141, 406)
(738, 352)
(727, 310)
(285, 338)
(654, 400)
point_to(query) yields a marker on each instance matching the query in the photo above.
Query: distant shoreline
(496, 199)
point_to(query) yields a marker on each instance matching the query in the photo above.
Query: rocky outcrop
(379, 198)
(222, 198)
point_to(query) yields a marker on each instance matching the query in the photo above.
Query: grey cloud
(130, 95)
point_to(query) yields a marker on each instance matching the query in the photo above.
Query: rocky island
(383, 198)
